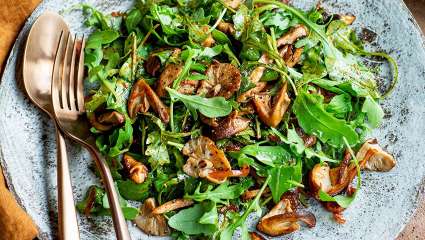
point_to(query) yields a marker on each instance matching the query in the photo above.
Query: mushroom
(291, 55)
(224, 80)
(347, 19)
(309, 140)
(250, 194)
(331, 181)
(209, 40)
(150, 223)
(229, 126)
(225, 27)
(106, 121)
(142, 97)
(207, 161)
(255, 236)
(293, 35)
(172, 205)
(374, 158)
(167, 77)
(336, 211)
(284, 218)
(138, 172)
(271, 111)
(233, 3)
(152, 65)
(255, 78)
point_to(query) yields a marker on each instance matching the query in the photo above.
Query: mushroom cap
(271, 111)
(173, 205)
(231, 125)
(168, 75)
(373, 158)
(150, 223)
(206, 160)
(138, 172)
(284, 217)
(293, 35)
(224, 80)
(142, 97)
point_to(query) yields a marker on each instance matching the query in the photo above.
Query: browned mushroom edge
(229, 126)
(173, 205)
(142, 97)
(284, 218)
(105, 121)
(271, 111)
(136, 170)
(149, 223)
(207, 161)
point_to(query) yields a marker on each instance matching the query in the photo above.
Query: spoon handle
(120, 224)
(68, 226)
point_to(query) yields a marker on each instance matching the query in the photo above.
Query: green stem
(172, 115)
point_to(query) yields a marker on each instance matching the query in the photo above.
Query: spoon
(39, 56)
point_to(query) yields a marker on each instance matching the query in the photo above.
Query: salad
(211, 111)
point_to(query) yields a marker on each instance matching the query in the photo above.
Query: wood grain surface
(14, 13)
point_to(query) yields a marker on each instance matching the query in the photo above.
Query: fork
(68, 106)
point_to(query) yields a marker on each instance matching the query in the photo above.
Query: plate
(384, 204)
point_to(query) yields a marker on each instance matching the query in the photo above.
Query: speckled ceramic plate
(383, 206)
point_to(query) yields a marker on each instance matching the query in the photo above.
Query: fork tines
(68, 74)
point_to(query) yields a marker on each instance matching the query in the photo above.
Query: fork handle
(120, 224)
(67, 218)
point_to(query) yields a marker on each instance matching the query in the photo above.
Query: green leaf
(133, 191)
(99, 38)
(238, 220)
(343, 201)
(187, 221)
(374, 112)
(156, 150)
(340, 105)
(296, 144)
(211, 215)
(269, 155)
(220, 194)
(209, 107)
(134, 17)
(171, 22)
(282, 179)
(313, 118)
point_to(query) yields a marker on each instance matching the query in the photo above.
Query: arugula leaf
(220, 194)
(133, 191)
(134, 17)
(374, 112)
(283, 178)
(118, 142)
(171, 22)
(156, 150)
(99, 38)
(97, 200)
(313, 118)
(227, 233)
(340, 105)
(188, 220)
(209, 107)
(296, 144)
(94, 18)
(210, 216)
(268, 155)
